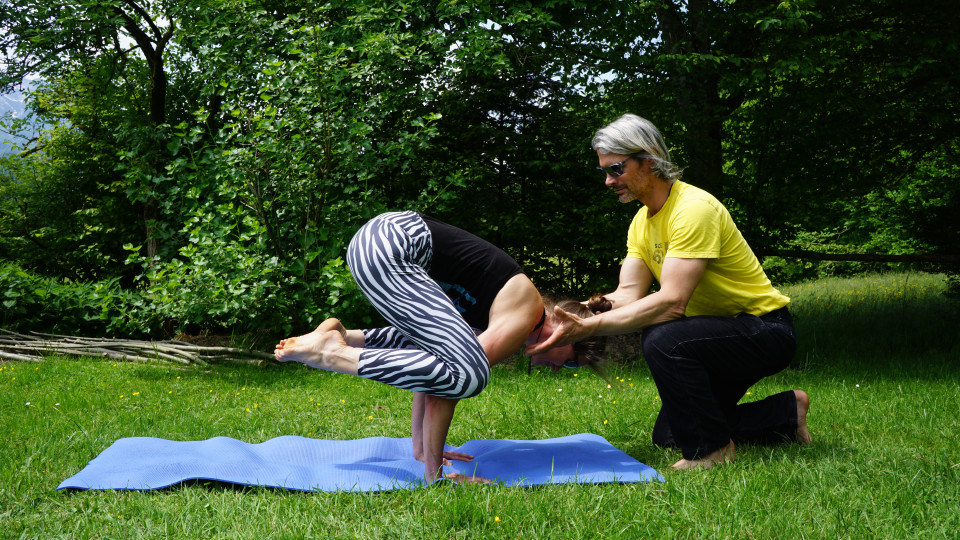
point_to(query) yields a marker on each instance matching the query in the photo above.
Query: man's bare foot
(323, 349)
(717, 457)
(803, 405)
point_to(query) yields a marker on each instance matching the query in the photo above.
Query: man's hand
(571, 329)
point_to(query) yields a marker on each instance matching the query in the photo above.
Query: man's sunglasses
(572, 363)
(615, 170)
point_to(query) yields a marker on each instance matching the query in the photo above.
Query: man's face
(630, 185)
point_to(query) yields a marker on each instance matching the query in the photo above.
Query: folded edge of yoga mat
(371, 464)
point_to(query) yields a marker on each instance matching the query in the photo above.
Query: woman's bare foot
(803, 405)
(324, 348)
(332, 324)
(717, 457)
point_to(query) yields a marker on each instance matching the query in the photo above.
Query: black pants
(704, 365)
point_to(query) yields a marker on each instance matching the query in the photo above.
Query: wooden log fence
(34, 346)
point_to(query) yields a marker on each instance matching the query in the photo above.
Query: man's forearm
(649, 310)
(620, 299)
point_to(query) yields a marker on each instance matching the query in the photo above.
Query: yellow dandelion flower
(604, 422)
(496, 518)
(370, 417)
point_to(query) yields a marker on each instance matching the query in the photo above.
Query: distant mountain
(11, 105)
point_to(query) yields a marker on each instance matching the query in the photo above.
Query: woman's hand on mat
(461, 479)
(458, 456)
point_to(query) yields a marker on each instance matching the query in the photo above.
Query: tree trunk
(152, 46)
(696, 91)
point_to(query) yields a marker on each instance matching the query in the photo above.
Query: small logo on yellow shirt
(658, 250)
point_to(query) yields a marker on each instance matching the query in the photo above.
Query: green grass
(879, 357)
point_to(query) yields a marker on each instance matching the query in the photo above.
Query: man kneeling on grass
(714, 328)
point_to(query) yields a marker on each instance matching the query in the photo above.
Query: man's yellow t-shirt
(694, 225)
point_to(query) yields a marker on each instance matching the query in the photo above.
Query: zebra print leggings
(429, 348)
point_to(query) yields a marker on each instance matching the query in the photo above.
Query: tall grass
(879, 357)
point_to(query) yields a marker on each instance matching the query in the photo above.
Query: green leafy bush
(57, 306)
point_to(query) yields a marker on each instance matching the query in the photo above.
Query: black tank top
(470, 270)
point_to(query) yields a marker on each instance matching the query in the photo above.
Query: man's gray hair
(631, 135)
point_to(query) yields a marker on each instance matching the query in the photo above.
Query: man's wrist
(592, 325)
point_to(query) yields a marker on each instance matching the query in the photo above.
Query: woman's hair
(588, 352)
(631, 135)
(598, 303)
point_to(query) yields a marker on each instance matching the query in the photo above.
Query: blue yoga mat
(373, 464)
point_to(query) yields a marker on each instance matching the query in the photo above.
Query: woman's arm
(514, 313)
(437, 415)
(418, 432)
(416, 424)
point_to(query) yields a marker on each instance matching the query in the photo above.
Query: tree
(49, 39)
(250, 172)
(99, 48)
